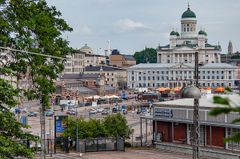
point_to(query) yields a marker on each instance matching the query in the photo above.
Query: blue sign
(60, 125)
(165, 113)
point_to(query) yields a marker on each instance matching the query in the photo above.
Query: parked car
(49, 113)
(106, 111)
(100, 110)
(32, 114)
(71, 112)
(92, 111)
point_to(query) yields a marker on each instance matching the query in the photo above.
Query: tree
(148, 55)
(33, 26)
(116, 126)
(92, 128)
(229, 107)
(11, 131)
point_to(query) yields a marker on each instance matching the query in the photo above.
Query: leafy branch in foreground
(228, 107)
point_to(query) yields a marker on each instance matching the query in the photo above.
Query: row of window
(144, 78)
(181, 72)
(166, 85)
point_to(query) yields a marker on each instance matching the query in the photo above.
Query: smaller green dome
(176, 33)
(201, 32)
(188, 14)
(173, 33)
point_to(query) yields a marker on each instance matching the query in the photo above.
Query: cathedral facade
(182, 46)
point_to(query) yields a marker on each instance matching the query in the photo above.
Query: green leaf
(221, 100)
(220, 110)
(236, 121)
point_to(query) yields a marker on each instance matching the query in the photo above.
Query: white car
(92, 111)
(100, 110)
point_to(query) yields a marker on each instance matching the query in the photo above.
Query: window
(157, 72)
(213, 77)
(208, 77)
(132, 78)
(229, 72)
(153, 72)
(203, 77)
(222, 77)
(217, 77)
(144, 78)
(162, 78)
(139, 78)
(229, 84)
(149, 78)
(208, 72)
(162, 72)
(222, 72)
(153, 78)
(213, 72)
(230, 77)
(158, 78)
(217, 72)
(132, 72)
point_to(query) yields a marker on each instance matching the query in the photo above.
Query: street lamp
(76, 129)
(194, 92)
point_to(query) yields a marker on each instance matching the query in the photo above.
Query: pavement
(128, 154)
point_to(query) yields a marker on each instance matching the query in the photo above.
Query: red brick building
(172, 123)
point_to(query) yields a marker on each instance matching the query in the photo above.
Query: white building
(181, 47)
(94, 60)
(178, 75)
(175, 67)
(75, 63)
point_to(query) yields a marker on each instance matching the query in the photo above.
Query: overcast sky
(131, 25)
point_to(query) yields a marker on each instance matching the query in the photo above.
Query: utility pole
(196, 126)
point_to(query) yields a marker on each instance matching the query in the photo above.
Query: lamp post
(194, 92)
(77, 145)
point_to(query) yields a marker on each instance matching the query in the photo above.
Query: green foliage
(34, 26)
(228, 90)
(226, 109)
(116, 125)
(111, 126)
(148, 55)
(220, 100)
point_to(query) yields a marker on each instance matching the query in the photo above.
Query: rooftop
(129, 57)
(104, 68)
(80, 76)
(167, 65)
(204, 101)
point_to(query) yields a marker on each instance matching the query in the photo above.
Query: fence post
(97, 144)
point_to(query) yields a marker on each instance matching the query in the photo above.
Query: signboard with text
(163, 113)
(60, 125)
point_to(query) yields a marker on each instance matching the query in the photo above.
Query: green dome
(173, 33)
(188, 14)
(176, 33)
(201, 32)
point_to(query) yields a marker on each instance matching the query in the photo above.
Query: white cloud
(84, 30)
(128, 24)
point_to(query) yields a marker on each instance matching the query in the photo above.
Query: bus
(150, 97)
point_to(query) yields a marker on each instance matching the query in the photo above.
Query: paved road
(129, 154)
